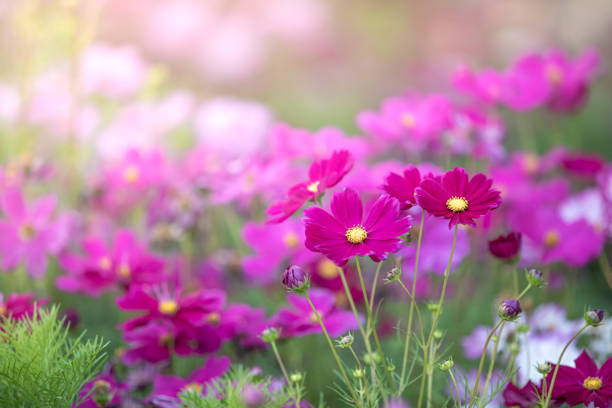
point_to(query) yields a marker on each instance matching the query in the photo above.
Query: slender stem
(361, 368)
(412, 302)
(418, 312)
(372, 327)
(333, 350)
(605, 267)
(491, 364)
(524, 291)
(432, 352)
(283, 369)
(437, 316)
(554, 377)
(373, 291)
(482, 358)
(366, 339)
(457, 398)
(515, 278)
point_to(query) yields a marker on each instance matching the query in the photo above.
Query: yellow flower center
(26, 232)
(551, 239)
(131, 174)
(101, 384)
(193, 387)
(457, 204)
(327, 269)
(168, 307)
(592, 383)
(408, 120)
(290, 239)
(554, 74)
(3, 310)
(165, 339)
(313, 187)
(104, 263)
(531, 163)
(124, 271)
(356, 234)
(213, 318)
(314, 318)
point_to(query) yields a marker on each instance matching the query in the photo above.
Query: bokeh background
(312, 62)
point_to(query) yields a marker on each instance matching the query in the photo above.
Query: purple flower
(402, 186)
(509, 309)
(506, 246)
(296, 279)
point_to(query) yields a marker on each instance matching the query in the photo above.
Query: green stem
(418, 312)
(554, 377)
(374, 283)
(491, 364)
(366, 339)
(361, 368)
(436, 316)
(524, 291)
(412, 303)
(372, 326)
(481, 363)
(432, 353)
(457, 398)
(283, 369)
(333, 350)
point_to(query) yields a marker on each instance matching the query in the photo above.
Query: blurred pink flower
(103, 268)
(29, 233)
(19, 305)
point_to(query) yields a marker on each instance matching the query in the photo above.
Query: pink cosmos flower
(157, 340)
(28, 233)
(243, 323)
(346, 232)
(171, 386)
(299, 320)
(274, 246)
(526, 397)
(402, 186)
(322, 174)
(183, 311)
(105, 268)
(19, 305)
(584, 384)
(458, 198)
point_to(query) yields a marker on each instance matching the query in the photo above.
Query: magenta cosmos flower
(584, 384)
(19, 305)
(346, 232)
(322, 175)
(101, 268)
(402, 186)
(28, 233)
(458, 198)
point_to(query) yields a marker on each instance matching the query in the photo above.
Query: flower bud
(514, 349)
(447, 365)
(269, 334)
(101, 393)
(594, 317)
(345, 341)
(296, 377)
(393, 275)
(535, 278)
(358, 373)
(437, 334)
(544, 368)
(296, 279)
(433, 307)
(506, 247)
(253, 396)
(509, 309)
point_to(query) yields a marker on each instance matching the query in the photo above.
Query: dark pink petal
(137, 299)
(585, 364)
(347, 208)
(384, 211)
(455, 182)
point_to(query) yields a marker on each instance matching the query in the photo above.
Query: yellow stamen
(554, 74)
(213, 318)
(290, 239)
(356, 234)
(313, 317)
(3, 310)
(194, 387)
(408, 120)
(105, 263)
(327, 269)
(592, 383)
(124, 271)
(27, 232)
(551, 239)
(313, 187)
(168, 307)
(131, 174)
(101, 384)
(457, 204)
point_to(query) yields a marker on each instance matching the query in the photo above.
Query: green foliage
(229, 391)
(41, 366)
